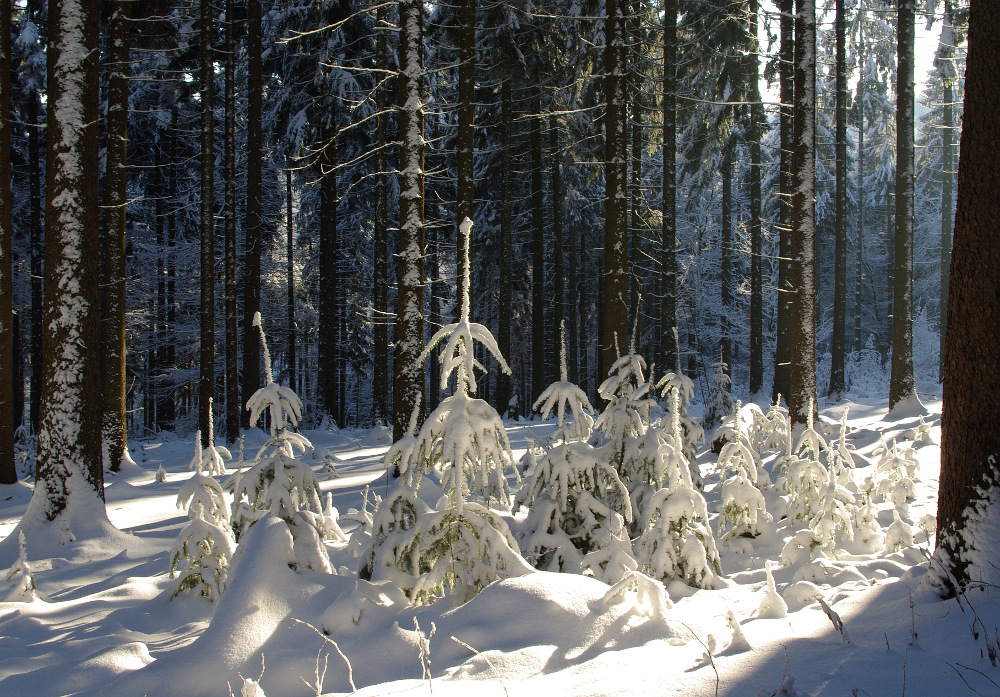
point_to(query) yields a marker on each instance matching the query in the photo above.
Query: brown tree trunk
(970, 421)
(786, 289)
(8, 471)
(380, 272)
(506, 231)
(113, 425)
(614, 329)
(756, 239)
(206, 381)
(668, 230)
(290, 276)
(251, 257)
(538, 295)
(839, 345)
(232, 323)
(67, 449)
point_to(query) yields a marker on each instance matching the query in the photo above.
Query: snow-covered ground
(105, 623)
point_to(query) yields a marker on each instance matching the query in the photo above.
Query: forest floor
(105, 623)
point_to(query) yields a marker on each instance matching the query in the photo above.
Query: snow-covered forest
(582, 347)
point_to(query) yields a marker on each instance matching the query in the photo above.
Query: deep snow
(108, 626)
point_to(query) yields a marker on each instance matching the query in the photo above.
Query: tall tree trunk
(232, 323)
(786, 288)
(465, 142)
(69, 454)
(902, 385)
(947, 70)
(668, 229)
(36, 221)
(166, 412)
(726, 251)
(8, 471)
(252, 241)
(756, 237)
(559, 310)
(408, 378)
(380, 267)
(538, 295)
(206, 382)
(113, 426)
(839, 346)
(505, 309)
(329, 276)
(614, 330)
(802, 378)
(635, 238)
(859, 244)
(290, 276)
(970, 420)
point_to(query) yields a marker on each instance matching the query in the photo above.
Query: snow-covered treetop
(282, 404)
(458, 356)
(564, 393)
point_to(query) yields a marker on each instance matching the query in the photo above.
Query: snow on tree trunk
(380, 266)
(70, 478)
(232, 324)
(946, 68)
(802, 379)
(970, 423)
(901, 382)
(786, 290)
(408, 379)
(756, 235)
(668, 230)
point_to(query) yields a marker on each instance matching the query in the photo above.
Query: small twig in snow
(488, 662)
(708, 655)
(324, 637)
(838, 623)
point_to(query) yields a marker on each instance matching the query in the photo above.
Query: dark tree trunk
(802, 378)
(756, 241)
(668, 230)
(329, 276)
(232, 323)
(635, 238)
(290, 276)
(970, 420)
(947, 69)
(506, 230)
(538, 296)
(860, 242)
(206, 382)
(786, 289)
(113, 426)
(380, 274)
(614, 330)
(166, 411)
(839, 345)
(559, 311)
(251, 257)
(408, 379)
(8, 384)
(726, 251)
(466, 137)
(36, 221)
(70, 390)
(902, 385)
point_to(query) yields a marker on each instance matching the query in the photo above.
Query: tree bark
(8, 471)
(69, 451)
(726, 252)
(290, 276)
(408, 378)
(558, 306)
(465, 141)
(329, 276)
(947, 70)
(786, 289)
(232, 323)
(538, 295)
(859, 244)
(614, 329)
(802, 378)
(206, 382)
(839, 345)
(970, 420)
(113, 425)
(380, 267)
(252, 241)
(756, 241)
(902, 385)
(668, 226)
(506, 231)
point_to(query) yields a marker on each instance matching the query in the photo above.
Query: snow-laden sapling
(627, 414)
(775, 433)
(24, 590)
(577, 507)
(720, 402)
(464, 546)
(835, 514)
(867, 530)
(772, 606)
(562, 395)
(743, 505)
(204, 548)
(278, 483)
(691, 431)
(899, 535)
(895, 476)
(676, 541)
(841, 459)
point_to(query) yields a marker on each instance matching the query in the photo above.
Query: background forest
(265, 145)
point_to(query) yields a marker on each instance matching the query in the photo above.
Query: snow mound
(376, 437)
